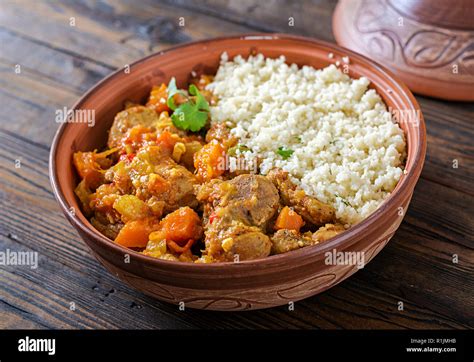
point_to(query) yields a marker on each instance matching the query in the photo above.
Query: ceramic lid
(429, 45)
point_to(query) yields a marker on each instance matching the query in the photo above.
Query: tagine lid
(428, 44)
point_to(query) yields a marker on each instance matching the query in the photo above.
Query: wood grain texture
(309, 18)
(60, 62)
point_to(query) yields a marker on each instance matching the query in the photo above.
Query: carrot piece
(91, 165)
(157, 184)
(158, 98)
(289, 219)
(182, 225)
(135, 233)
(210, 161)
(88, 168)
(167, 140)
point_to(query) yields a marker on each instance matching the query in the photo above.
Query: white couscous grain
(346, 149)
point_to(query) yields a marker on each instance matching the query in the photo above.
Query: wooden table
(63, 48)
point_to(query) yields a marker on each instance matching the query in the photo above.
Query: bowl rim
(341, 241)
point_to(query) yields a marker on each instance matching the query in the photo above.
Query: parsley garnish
(191, 115)
(285, 153)
(172, 91)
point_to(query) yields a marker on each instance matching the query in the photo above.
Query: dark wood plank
(450, 154)
(29, 102)
(48, 24)
(45, 297)
(66, 70)
(309, 17)
(111, 35)
(158, 24)
(451, 220)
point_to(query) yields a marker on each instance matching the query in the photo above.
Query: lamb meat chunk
(134, 116)
(110, 230)
(181, 183)
(248, 246)
(251, 199)
(327, 232)
(285, 240)
(231, 240)
(255, 199)
(153, 174)
(311, 209)
(236, 213)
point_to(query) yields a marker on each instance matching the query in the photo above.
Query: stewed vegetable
(163, 186)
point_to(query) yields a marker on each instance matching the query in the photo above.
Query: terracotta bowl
(263, 283)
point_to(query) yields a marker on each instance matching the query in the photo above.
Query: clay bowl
(264, 283)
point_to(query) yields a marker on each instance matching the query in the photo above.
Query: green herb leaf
(285, 153)
(172, 91)
(193, 114)
(201, 102)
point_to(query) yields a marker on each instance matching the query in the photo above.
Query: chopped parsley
(285, 153)
(191, 115)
